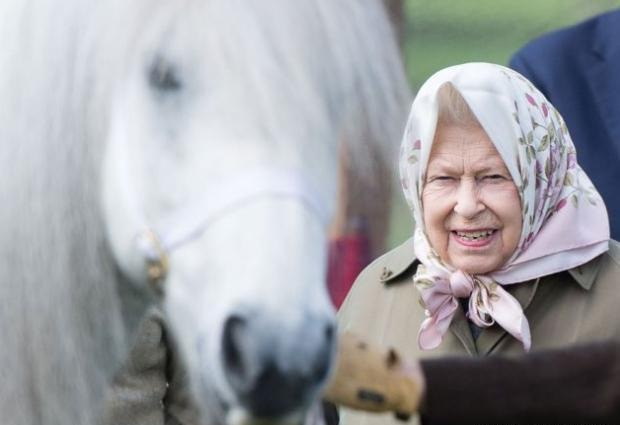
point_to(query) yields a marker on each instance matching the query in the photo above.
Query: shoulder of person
(602, 271)
(380, 294)
(614, 253)
(392, 269)
(561, 43)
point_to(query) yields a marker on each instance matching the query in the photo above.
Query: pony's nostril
(276, 393)
(235, 329)
(275, 373)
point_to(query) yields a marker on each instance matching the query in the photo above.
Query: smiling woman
(471, 204)
(511, 249)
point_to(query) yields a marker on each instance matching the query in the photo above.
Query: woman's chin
(476, 262)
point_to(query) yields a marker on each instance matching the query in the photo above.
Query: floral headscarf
(565, 222)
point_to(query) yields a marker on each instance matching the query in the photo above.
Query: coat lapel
(460, 328)
(490, 337)
(604, 71)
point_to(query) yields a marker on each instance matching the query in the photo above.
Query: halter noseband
(155, 242)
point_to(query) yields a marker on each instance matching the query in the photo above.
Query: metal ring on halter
(157, 262)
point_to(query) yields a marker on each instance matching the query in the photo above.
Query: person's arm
(136, 393)
(576, 385)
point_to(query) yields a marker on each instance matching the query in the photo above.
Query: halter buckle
(157, 263)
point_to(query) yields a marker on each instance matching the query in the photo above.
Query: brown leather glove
(368, 378)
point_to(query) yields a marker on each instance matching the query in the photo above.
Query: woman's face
(471, 206)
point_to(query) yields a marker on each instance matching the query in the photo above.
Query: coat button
(386, 273)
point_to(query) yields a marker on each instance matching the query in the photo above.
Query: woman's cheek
(505, 192)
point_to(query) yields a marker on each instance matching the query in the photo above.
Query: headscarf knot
(488, 303)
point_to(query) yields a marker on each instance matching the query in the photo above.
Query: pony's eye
(163, 76)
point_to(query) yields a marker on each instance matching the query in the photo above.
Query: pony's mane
(355, 52)
(61, 317)
(63, 324)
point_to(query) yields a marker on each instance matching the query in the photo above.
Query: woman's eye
(441, 179)
(494, 177)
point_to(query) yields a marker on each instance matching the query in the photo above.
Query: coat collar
(402, 261)
(603, 69)
(585, 275)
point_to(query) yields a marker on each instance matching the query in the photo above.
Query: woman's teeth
(472, 236)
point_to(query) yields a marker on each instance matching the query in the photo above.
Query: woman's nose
(468, 203)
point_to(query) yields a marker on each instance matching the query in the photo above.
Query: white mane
(65, 313)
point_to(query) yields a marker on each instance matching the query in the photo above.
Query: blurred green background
(440, 33)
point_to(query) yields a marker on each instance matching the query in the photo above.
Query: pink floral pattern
(545, 143)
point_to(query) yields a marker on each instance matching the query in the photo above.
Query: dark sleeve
(577, 385)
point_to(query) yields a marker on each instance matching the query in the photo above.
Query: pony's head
(229, 189)
(220, 123)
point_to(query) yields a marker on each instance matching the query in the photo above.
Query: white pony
(201, 133)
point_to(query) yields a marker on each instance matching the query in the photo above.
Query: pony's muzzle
(276, 373)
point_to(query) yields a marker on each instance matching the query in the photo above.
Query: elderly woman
(511, 249)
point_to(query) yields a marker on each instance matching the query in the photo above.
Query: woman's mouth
(474, 238)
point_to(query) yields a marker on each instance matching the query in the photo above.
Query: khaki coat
(570, 307)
